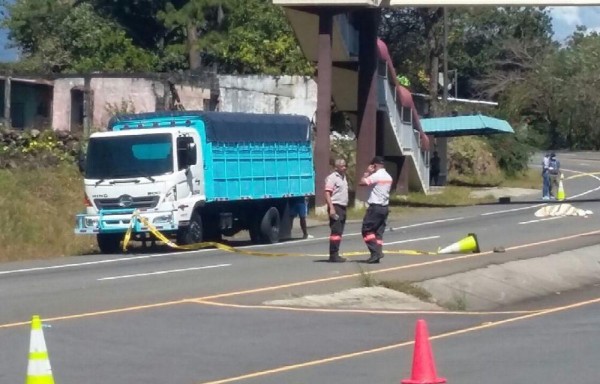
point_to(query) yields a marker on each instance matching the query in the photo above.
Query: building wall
(61, 111)
(193, 98)
(125, 95)
(268, 94)
(122, 95)
(256, 94)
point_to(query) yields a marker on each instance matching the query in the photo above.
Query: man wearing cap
(336, 195)
(373, 225)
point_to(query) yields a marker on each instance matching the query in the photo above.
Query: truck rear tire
(269, 226)
(193, 233)
(109, 242)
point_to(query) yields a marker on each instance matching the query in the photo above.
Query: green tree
(476, 38)
(55, 36)
(258, 39)
(193, 25)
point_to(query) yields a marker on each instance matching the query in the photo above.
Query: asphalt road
(196, 317)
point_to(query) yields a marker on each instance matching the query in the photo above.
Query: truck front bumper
(118, 221)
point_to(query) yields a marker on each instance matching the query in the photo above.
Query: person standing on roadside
(546, 177)
(336, 196)
(374, 221)
(554, 175)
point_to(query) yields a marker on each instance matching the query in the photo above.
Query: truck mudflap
(119, 220)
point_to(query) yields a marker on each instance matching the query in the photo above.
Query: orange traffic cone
(423, 366)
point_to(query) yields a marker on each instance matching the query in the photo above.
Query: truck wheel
(269, 226)
(109, 242)
(193, 232)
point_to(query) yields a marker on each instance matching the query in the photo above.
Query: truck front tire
(109, 242)
(193, 233)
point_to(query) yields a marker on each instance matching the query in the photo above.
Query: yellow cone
(466, 245)
(38, 368)
(560, 194)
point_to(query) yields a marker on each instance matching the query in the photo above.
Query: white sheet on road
(564, 209)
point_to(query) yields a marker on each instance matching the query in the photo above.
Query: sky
(564, 21)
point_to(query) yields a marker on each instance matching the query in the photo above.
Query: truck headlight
(163, 219)
(91, 222)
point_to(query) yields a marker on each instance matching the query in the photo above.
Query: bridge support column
(367, 97)
(324, 75)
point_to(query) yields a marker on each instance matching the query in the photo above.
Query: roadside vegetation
(37, 211)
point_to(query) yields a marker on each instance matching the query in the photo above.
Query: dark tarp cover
(230, 127)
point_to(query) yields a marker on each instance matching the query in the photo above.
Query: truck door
(189, 169)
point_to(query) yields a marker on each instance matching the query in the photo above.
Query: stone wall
(268, 94)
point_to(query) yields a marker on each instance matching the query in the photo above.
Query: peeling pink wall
(110, 93)
(61, 104)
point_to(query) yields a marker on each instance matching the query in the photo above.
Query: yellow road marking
(391, 269)
(361, 311)
(398, 345)
(297, 284)
(98, 313)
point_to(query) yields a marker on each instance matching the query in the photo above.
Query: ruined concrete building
(77, 103)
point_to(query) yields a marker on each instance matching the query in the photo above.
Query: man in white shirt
(373, 225)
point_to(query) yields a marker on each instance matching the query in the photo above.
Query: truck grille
(138, 202)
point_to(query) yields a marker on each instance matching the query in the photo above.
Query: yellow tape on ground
(228, 248)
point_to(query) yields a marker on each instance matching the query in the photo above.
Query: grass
(531, 179)
(408, 288)
(449, 196)
(37, 211)
(367, 279)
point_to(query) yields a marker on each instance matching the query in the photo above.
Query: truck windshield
(129, 156)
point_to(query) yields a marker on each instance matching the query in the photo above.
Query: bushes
(34, 149)
(512, 152)
(470, 162)
(474, 160)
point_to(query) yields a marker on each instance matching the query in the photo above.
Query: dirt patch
(360, 298)
(502, 192)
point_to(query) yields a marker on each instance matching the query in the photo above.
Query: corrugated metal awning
(465, 125)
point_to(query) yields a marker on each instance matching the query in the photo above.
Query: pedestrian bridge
(399, 132)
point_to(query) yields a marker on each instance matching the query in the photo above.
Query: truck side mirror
(192, 156)
(186, 152)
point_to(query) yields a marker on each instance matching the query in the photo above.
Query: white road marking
(540, 220)
(427, 223)
(73, 265)
(411, 240)
(512, 210)
(164, 272)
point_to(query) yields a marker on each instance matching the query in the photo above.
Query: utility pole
(445, 92)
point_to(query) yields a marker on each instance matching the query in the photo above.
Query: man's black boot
(373, 260)
(336, 259)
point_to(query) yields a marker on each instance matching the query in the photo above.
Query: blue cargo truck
(196, 176)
